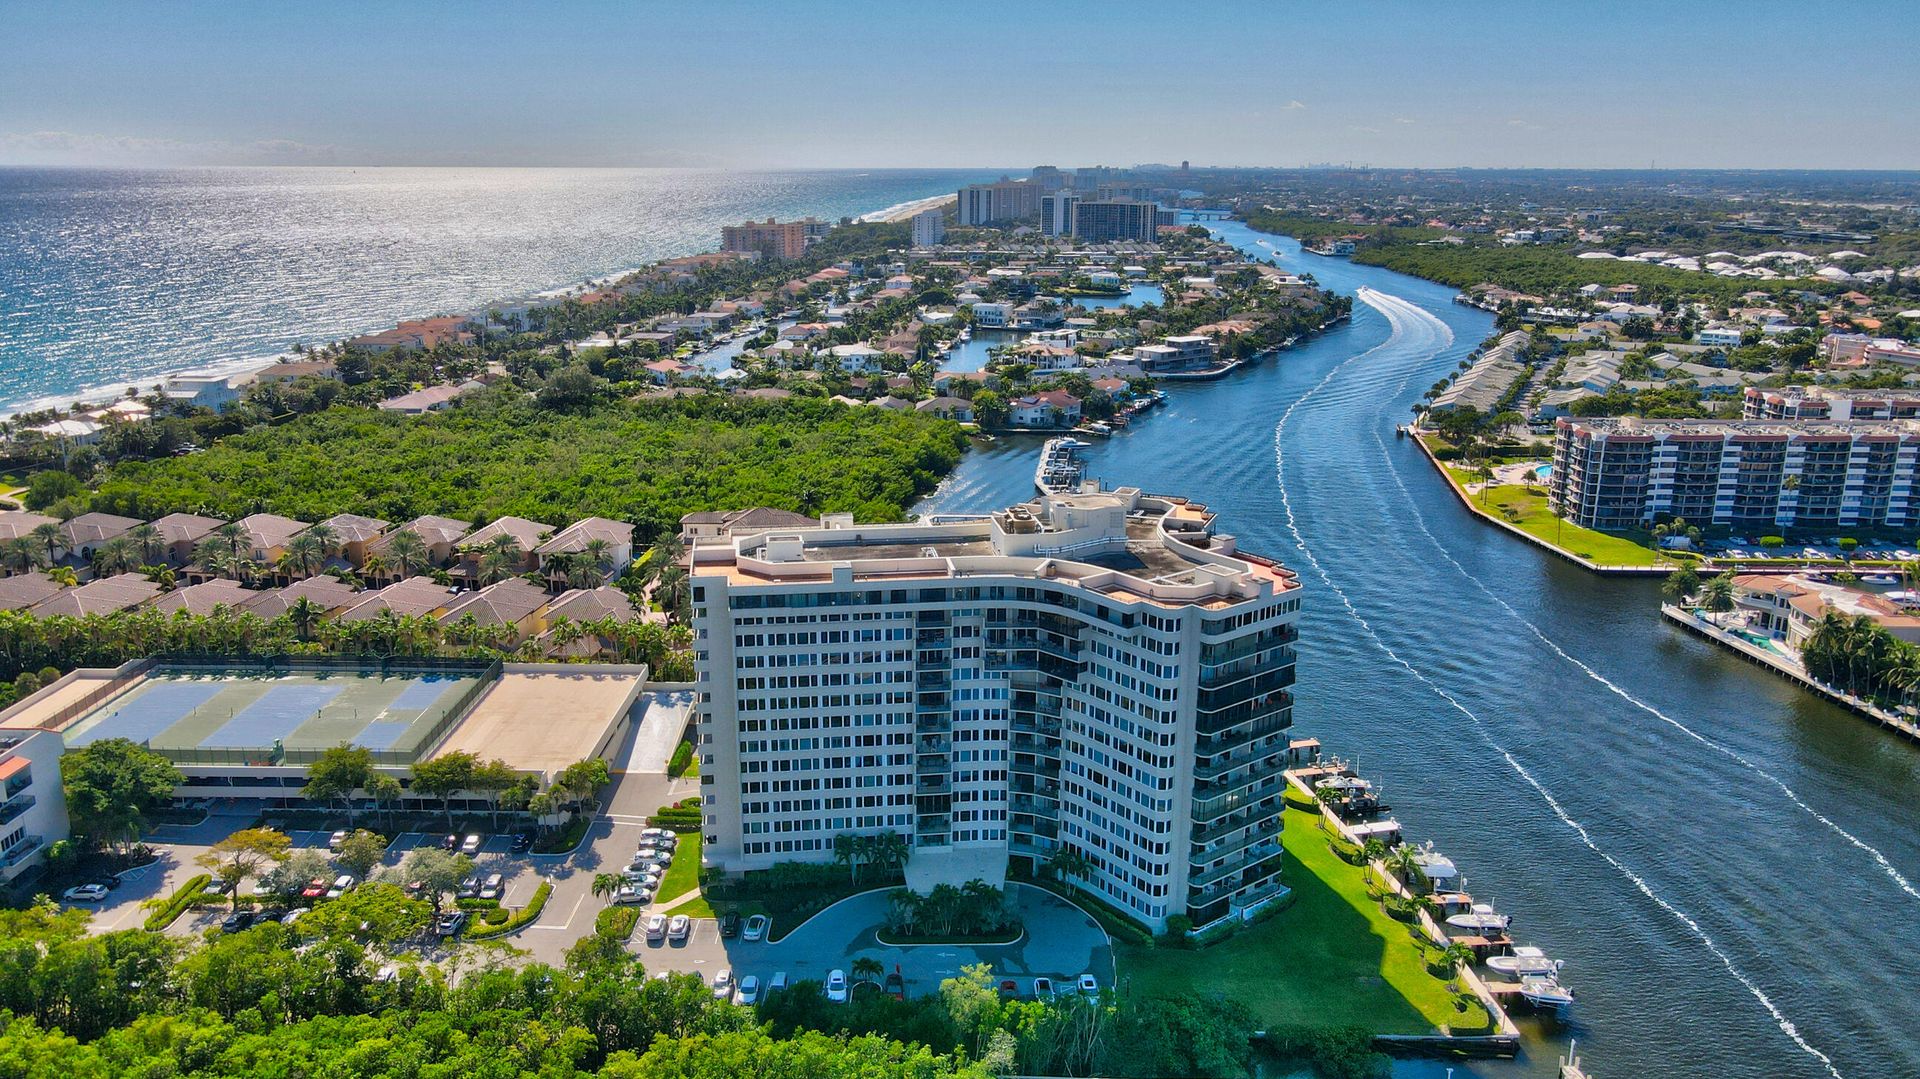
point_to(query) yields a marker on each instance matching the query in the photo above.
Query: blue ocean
(111, 277)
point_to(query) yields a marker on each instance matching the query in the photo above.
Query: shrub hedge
(519, 919)
(178, 902)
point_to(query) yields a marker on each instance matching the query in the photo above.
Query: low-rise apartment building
(1102, 672)
(33, 812)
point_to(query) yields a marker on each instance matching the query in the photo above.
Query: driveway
(1060, 943)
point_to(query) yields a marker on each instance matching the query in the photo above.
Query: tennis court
(186, 711)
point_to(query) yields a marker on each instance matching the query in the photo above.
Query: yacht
(1547, 994)
(1525, 962)
(1482, 920)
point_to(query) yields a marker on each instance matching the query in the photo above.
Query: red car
(315, 888)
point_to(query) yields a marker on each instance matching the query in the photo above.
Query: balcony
(1203, 855)
(21, 851)
(1212, 807)
(1045, 769)
(14, 807)
(1254, 856)
(1207, 773)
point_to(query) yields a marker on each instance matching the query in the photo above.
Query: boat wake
(1401, 326)
(1383, 303)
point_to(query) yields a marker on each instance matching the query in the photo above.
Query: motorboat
(1547, 994)
(1525, 962)
(1436, 867)
(1482, 920)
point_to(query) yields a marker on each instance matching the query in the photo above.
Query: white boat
(1547, 994)
(1525, 962)
(1481, 919)
(1452, 902)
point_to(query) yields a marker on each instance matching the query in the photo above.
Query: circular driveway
(1061, 942)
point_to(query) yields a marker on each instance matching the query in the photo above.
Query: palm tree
(149, 542)
(305, 554)
(1404, 861)
(670, 591)
(1067, 863)
(606, 884)
(867, 968)
(305, 614)
(408, 552)
(1681, 583)
(49, 537)
(1717, 594)
(116, 555)
(500, 558)
(846, 851)
(23, 553)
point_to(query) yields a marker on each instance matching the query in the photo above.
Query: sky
(1757, 84)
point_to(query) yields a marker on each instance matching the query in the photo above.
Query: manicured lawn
(1331, 959)
(683, 873)
(1526, 508)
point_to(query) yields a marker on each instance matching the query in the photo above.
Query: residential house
(614, 538)
(525, 535)
(414, 597)
(1048, 408)
(23, 590)
(441, 535)
(202, 598)
(948, 408)
(104, 596)
(16, 524)
(857, 358)
(85, 533)
(718, 524)
(513, 604)
(182, 532)
(353, 534)
(584, 607)
(417, 333)
(328, 593)
(431, 399)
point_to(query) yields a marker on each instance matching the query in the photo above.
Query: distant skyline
(869, 85)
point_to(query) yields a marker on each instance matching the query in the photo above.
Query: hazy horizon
(740, 85)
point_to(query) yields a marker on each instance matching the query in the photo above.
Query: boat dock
(1505, 1040)
(1059, 470)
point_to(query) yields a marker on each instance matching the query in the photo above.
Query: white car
(657, 927)
(337, 838)
(756, 928)
(778, 983)
(342, 884)
(1043, 989)
(1089, 984)
(86, 893)
(628, 894)
(679, 927)
(470, 846)
(723, 985)
(749, 992)
(837, 986)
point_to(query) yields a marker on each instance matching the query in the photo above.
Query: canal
(1725, 863)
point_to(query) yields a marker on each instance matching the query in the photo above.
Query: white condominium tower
(1097, 671)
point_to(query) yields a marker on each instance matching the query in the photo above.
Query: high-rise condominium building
(929, 227)
(1112, 220)
(1056, 212)
(773, 239)
(1100, 672)
(998, 203)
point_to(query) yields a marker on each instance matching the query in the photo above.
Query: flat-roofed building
(1102, 221)
(33, 812)
(1745, 474)
(771, 239)
(998, 203)
(1101, 672)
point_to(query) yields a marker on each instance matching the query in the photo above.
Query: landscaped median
(1332, 959)
(176, 904)
(519, 919)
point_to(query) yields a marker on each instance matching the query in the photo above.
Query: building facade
(1821, 403)
(998, 203)
(1056, 212)
(1100, 672)
(33, 811)
(929, 227)
(1101, 221)
(1750, 475)
(772, 239)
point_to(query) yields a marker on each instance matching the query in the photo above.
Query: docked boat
(1482, 919)
(1547, 994)
(1059, 470)
(1525, 962)
(1452, 902)
(1437, 868)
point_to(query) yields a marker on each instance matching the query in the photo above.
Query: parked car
(756, 928)
(1009, 988)
(723, 985)
(470, 845)
(657, 927)
(220, 886)
(85, 893)
(522, 842)
(628, 894)
(293, 915)
(637, 874)
(1043, 989)
(777, 982)
(238, 920)
(730, 925)
(1089, 984)
(315, 888)
(451, 923)
(749, 991)
(679, 927)
(469, 888)
(494, 885)
(895, 986)
(337, 838)
(661, 835)
(342, 884)
(837, 986)
(450, 843)
(262, 888)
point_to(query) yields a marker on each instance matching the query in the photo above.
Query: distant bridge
(1209, 215)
